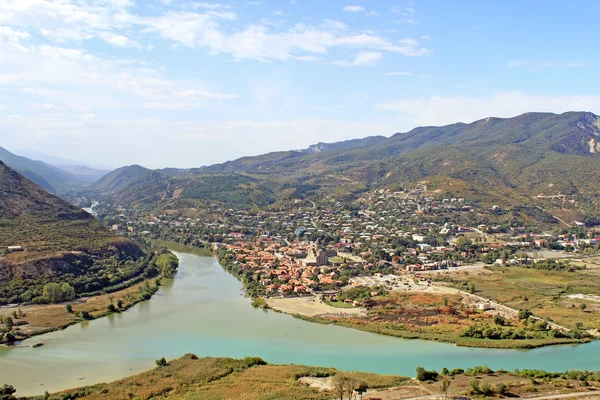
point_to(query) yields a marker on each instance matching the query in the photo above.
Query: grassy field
(339, 304)
(438, 317)
(190, 378)
(193, 378)
(545, 293)
(48, 317)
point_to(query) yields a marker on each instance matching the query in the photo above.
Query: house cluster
(383, 229)
(296, 269)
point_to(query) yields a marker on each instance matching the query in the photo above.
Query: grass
(545, 293)
(340, 304)
(49, 317)
(434, 317)
(190, 377)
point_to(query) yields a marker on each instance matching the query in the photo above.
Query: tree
(8, 324)
(69, 308)
(524, 313)
(68, 293)
(162, 362)
(362, 389)
(6, 392)
(583, 306)
(423, 375)
(351, 385)
(53, 292)
(444, 388)
(501, 389)
(463, 242)
(339, 385)
(167, 264)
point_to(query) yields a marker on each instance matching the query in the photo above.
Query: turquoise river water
(202, 311)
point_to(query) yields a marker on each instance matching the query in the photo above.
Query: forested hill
(57, 242)
(531, 156)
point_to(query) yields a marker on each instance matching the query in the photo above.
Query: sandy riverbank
(312, 307)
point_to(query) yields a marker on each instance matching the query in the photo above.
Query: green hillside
(59, 243)
(552, 160)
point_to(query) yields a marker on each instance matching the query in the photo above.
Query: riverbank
(252, 378)
(38, 319)
(202, 310)
(182, 248)
(311, 306)
(421, 311)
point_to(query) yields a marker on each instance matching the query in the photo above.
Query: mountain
(52, 179)
(133, 184)
(86, 174)
(138, 186)
(542, 158)
(59, 243)
(346, 144)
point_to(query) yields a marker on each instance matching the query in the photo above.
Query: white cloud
(362, 59)
(442, 110)
(546, 64)
(425, 37)
(258, 42)
(350, 8)
(38, 71)
(411, 21)
(117, 40)
(398, 73)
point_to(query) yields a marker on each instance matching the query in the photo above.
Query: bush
(161, 362)
(6, 392)
(479, 370)
(86, 315)
(423, 375)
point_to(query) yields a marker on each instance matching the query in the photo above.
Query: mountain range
(550, 159)
(55, 179)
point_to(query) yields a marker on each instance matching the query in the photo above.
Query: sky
(178, 83)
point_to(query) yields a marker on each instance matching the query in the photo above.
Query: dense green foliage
(167, 264)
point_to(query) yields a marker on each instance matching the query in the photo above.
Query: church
(317, 256)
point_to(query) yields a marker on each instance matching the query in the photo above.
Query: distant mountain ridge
(346, 144)
(86, 174)
(524, 158)
(51, 178)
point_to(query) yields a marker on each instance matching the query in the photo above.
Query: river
(201, 311)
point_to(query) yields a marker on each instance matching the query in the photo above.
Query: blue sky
(188, 83)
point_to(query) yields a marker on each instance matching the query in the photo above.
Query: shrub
(161, 362)
(423, 375)
(501, 389)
